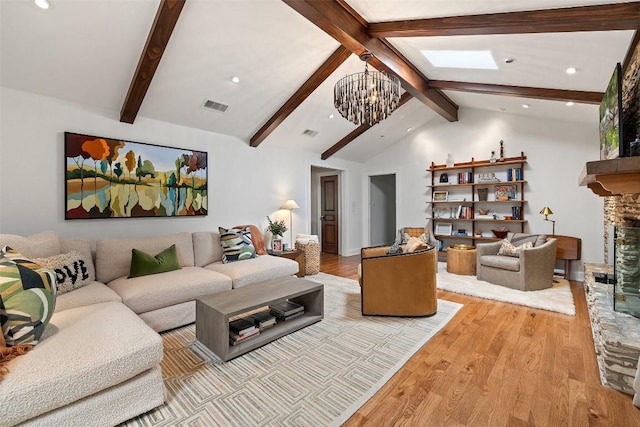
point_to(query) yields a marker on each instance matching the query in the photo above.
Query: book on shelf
(285, 308)
(241, 326)
(237, 338)
(263, 319)
(291, 316)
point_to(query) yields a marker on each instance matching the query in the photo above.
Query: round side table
(461, 259)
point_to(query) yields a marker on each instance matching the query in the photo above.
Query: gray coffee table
(213, 313)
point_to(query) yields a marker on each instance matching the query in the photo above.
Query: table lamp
(290, 205)
(546, 212)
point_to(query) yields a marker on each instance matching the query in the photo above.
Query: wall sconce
(546, 212)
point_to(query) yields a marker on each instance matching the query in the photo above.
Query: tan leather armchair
(400, 284)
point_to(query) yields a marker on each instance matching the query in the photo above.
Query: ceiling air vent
(310, 132)
(213, 105)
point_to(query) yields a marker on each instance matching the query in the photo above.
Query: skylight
(471, 59)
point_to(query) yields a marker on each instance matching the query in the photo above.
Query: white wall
(245, 184)
(556, 153)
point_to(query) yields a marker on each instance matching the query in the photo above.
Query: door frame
(366, 181)
(314, 209)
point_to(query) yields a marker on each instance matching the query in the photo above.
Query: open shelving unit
(460, 210)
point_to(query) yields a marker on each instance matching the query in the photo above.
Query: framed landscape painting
(112, 178)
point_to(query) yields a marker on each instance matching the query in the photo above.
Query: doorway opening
(382, 209)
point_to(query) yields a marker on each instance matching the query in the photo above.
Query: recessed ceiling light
(43, 4)
(331, 116)
(235, 79)
(571, 70)
(503, 109)
(569, 104)
(525, 105)
(473, 59)
(509, 61)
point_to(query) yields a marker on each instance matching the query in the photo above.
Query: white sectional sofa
(97, 363)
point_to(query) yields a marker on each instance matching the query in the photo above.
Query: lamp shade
(546, 211)
(289, 204)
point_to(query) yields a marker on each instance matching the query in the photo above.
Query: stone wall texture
(619, 210)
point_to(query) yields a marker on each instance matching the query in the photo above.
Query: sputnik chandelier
(366, 98)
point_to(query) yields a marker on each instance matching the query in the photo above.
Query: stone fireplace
(616, 335)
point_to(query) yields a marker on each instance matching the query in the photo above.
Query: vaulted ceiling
(163, 59)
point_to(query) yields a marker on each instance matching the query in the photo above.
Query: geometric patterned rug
(317, 376)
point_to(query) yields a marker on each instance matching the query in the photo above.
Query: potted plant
(277, 228)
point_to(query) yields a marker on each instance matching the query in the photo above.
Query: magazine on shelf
(291, 316)
(286, 308)
(263, 319)
(241, 326)
(235, 338)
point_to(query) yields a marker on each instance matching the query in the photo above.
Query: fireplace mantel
(612, 177)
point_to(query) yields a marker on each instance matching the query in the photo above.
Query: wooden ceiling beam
(608, 17)
(358, 131)
(159, 35)
(320, 75)
(341, 24)
(520, 91)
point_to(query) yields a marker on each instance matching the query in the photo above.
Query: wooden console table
(569, 249)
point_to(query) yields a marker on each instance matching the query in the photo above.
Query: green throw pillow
(27, 298)
(143, 264)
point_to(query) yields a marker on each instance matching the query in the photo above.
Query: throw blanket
(256, 239)
(9, 353)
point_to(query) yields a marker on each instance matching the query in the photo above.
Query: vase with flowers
(276, 228)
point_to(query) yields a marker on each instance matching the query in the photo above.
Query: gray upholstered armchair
(531, 271)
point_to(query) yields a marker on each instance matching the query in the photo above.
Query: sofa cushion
(502, 262)
(83, 351)
(517, 239)
(113, 256)
(255, 270)
(144, 264)
(70, 271)
(206, 247)
(84, 247)
(148, 293)
(236, 244)
(93, 293)
(38, 245)
(27, 298)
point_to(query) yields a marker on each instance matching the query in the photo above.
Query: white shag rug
(557, 298)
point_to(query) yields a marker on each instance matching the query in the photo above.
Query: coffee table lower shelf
(213, 313)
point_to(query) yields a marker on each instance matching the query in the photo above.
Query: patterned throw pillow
(71, 271)
(394, 249)
(27, 298)
(236, 244)
(508, 249)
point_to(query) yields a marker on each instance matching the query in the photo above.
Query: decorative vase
(501, 151)
(493, 158)
(450, 162)
(482, 194)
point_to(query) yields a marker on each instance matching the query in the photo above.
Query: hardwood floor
(497, 364)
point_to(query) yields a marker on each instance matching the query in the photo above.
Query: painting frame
(106, 178)
(440, 196)
(444, 228)
(505, 192)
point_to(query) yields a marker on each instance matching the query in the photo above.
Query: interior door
(329, 213)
